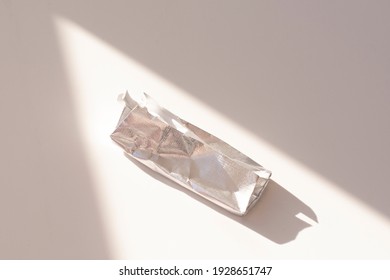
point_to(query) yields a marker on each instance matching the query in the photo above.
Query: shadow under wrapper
(274, 216)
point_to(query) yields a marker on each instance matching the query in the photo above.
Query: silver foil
(188, 155)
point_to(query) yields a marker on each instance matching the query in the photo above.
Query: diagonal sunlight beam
(98, 72)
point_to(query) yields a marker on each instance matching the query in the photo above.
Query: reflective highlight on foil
(188, 155)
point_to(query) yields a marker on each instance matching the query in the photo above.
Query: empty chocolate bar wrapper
(188, 155)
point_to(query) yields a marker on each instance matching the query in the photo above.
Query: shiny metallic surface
(188, 155)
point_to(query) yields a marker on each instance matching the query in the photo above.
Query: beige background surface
(303, 88)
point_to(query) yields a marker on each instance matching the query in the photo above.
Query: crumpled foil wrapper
(188, 155)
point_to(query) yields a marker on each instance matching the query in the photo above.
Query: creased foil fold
(188, 155)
